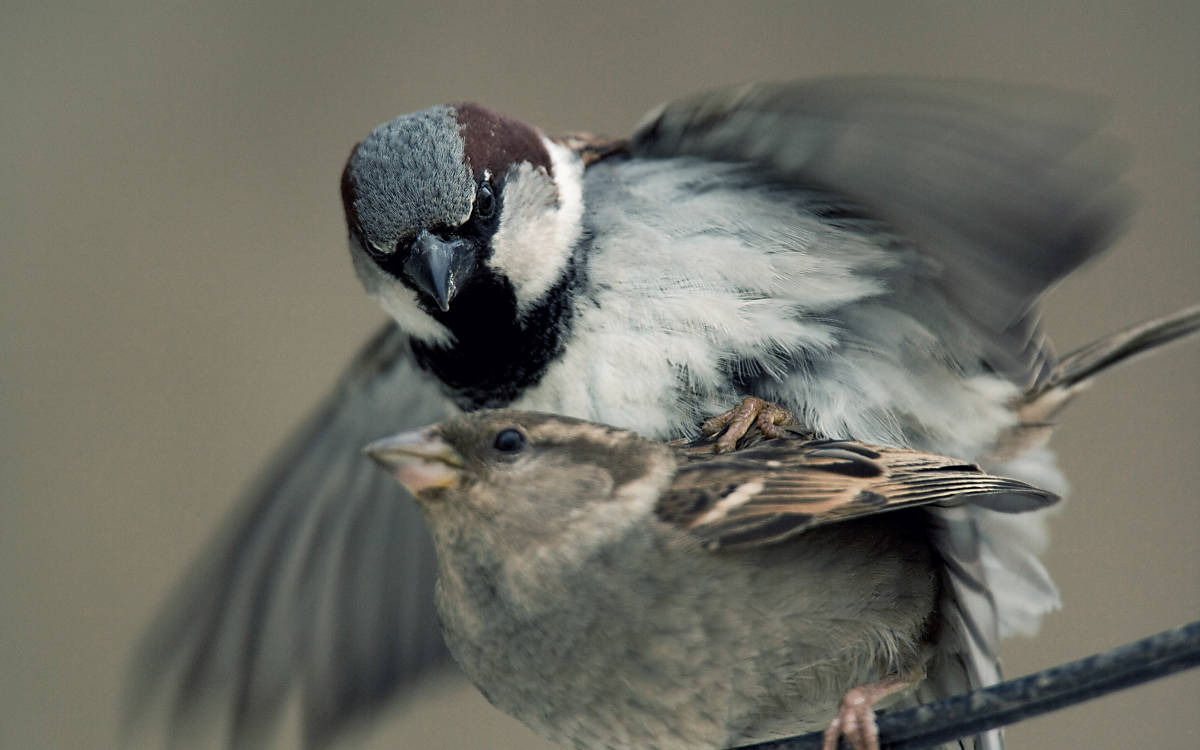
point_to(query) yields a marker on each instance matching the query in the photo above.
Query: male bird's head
(457, 203)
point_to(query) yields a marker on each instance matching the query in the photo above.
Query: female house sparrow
(868, 253)
(615, 592)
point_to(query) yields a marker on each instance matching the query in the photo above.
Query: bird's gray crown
(408, 173)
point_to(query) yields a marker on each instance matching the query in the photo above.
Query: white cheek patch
(397, 300)
(540, 224)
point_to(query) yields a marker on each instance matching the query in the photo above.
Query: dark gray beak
(439, 267)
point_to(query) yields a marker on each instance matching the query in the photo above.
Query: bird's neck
(498, 351)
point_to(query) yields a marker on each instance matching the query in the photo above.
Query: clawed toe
(856, 721)
(733, 425)
(856, 716)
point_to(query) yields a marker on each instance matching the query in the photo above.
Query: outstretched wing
(1005, 188)
(781, 488)
(323, 580)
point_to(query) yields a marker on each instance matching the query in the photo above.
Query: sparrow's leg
(752, 412)
(856, 718)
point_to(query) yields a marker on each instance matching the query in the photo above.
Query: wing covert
(777, 489)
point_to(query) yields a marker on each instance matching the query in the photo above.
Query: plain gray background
(175, 289)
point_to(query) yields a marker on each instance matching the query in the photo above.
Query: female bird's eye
(485, 201)
(509, 441)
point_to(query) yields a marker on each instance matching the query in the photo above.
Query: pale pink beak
(419, 460)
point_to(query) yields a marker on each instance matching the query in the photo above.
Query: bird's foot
(735, 423)
(856, 717)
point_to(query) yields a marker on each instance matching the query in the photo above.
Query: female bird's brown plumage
(582, 589)
(780, 488)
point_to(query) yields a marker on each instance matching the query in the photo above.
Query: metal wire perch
(1025, 697)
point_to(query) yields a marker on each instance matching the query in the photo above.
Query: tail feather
(995, 582)
(1076, 370)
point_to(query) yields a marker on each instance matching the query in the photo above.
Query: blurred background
(175, 291)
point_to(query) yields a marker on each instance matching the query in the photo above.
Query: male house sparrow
(868, 253)
(616, 592)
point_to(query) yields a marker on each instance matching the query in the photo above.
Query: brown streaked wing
(780, 488)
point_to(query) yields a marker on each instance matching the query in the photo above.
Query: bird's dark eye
(509, 441)
(485, 202)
